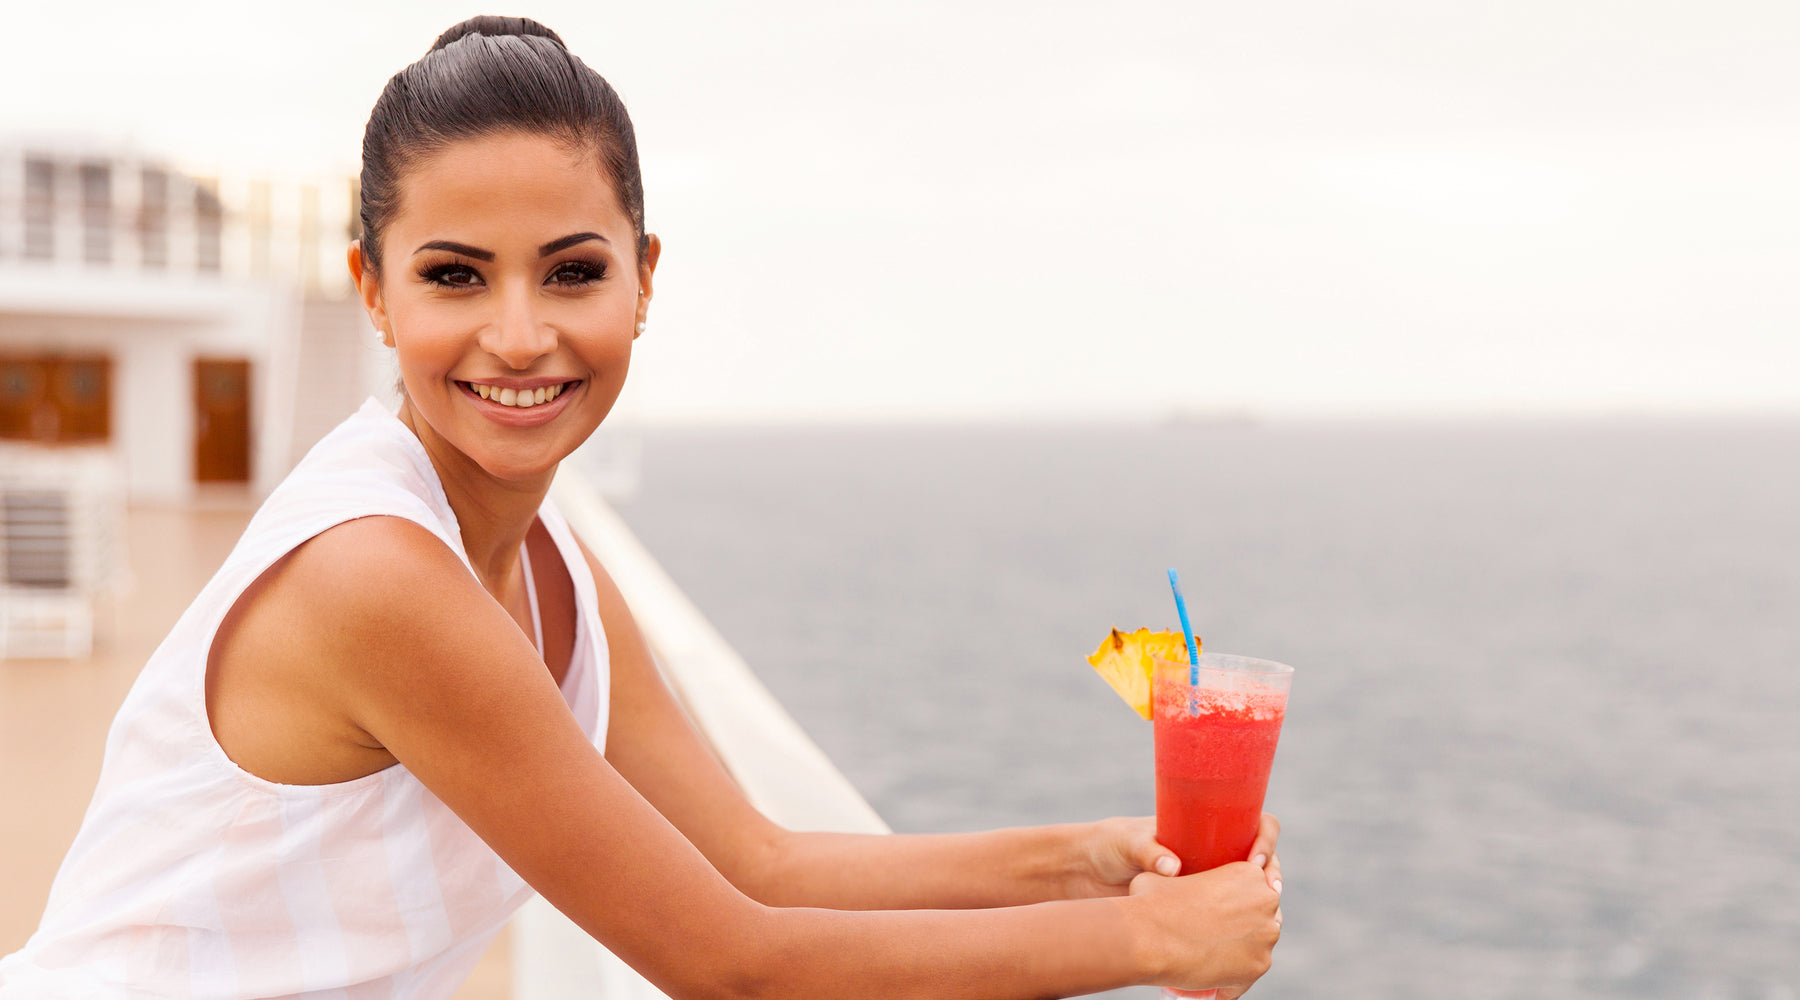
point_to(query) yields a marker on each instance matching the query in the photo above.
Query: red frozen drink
(1215, 744)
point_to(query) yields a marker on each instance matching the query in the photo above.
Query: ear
(646, 274)
(368, 288)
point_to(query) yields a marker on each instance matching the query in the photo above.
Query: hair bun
(488, 24)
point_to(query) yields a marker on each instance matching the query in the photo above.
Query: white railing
(85, 208)
(780, 769)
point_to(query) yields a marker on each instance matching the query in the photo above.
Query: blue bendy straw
(1186, 629)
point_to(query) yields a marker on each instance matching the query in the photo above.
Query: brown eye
(576, 272)
(451, 276)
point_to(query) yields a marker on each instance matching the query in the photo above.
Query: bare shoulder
(367, 583)
(347, 618)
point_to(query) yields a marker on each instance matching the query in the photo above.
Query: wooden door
(56, 399)
(82, 391)
(221, 420)
(24, 384)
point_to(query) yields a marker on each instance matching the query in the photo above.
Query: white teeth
(517, 397)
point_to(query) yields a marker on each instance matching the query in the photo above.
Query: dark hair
(484, 77)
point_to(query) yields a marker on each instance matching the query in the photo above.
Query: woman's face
(509, 275)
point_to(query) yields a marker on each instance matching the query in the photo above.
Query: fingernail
(1260, 860)
(1277, 886)
(1166, 865)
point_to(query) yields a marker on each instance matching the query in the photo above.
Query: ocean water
(1544, 738)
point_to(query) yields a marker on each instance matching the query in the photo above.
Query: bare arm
(1008, 867)
(654, 745)
(431, 668)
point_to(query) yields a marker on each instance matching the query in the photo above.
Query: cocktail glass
(1216, 729)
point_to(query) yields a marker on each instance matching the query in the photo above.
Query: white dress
(191, 877)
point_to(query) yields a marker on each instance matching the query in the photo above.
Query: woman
(411, 696)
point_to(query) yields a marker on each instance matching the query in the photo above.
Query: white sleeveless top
(191, 877)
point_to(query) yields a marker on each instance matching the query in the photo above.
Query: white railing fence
(780, 769)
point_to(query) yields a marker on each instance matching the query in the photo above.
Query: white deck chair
(61, 529)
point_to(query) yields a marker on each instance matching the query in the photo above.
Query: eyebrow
(568, 241)
(454, 247)
(562, 243)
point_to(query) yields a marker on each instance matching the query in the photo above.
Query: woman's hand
(1119, 849)
(1113, 851)
(1213, 930)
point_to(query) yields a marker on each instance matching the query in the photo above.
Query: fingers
(1147, 854)
(1144, 882)
(1136, 847)
(1271, 866)
(1275, 884)
(1267, 833)
(1262, 852)
(1154, 857)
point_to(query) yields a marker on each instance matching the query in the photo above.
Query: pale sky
(1033, 210)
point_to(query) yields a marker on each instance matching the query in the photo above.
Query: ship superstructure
(198, 326)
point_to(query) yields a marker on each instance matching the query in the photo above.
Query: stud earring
(640, 326)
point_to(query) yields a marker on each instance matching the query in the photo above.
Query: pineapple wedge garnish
(1125, 660)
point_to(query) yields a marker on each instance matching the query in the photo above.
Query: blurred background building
(169, 319)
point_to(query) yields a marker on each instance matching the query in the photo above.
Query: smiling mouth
(519, 398)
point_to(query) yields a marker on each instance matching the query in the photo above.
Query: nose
(516, 334)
